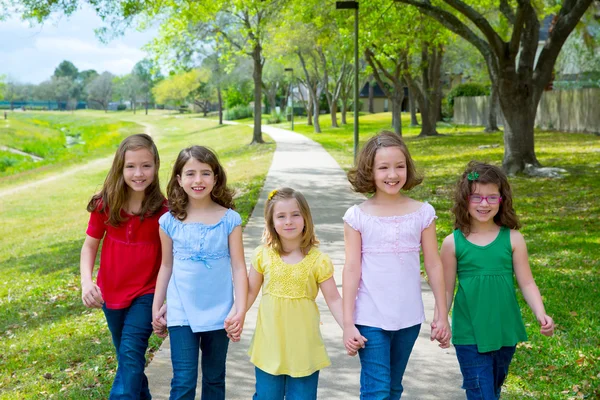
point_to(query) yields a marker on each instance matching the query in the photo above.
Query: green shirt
(486, 312)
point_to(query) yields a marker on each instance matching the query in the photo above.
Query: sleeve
(323, 268)
(257, 259)
(233, 221)
(96, 226)
(428, 216)
(352, 218)
(166, 223)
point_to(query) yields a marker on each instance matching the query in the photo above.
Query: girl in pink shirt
(381, 277)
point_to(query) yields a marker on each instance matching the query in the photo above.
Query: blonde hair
(270, 236)
(361, 177)
(114, 194)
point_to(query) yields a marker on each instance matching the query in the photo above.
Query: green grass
(560, 220)
(51, 346)
(45, 135)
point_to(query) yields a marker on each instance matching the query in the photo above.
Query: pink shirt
(389, 292)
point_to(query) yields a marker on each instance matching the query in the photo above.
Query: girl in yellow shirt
(287, 348)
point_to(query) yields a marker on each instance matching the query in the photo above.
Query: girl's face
(389, 170)
(197, 179)
(287, 219)
(139, 169)
(484, 212)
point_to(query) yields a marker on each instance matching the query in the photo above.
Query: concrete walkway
(299, 162)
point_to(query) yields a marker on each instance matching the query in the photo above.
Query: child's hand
(353, 340)
(234, 326)
(159, 322)
(440, 331)
(91, 295)
(546, 325)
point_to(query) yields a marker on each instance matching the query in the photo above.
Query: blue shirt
(200, 291)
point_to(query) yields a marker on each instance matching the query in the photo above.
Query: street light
(345, 5)
(291, 93)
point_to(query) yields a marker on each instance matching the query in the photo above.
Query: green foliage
(274, 118)
(467, 90)
(238, 112)
(241, 94)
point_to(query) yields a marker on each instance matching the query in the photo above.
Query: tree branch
(507, 11)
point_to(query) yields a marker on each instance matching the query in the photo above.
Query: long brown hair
(178, 199)
(479, 172)
(114, 193)
(270, 236)
(361, 177)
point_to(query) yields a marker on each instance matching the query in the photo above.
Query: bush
(6, 162)
(238, 112)
(275, 118)
(463, 90)
(121, 107)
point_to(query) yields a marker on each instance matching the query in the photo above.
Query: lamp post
(345, 5)
(291, 93)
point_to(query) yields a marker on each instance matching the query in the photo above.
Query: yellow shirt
(287, 340)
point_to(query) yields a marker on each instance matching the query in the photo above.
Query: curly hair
(220, 194)
(270, 236)
(361, 177)
(485, 174)
(113, 195)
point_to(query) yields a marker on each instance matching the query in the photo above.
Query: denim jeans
(131, 328)
(185, 349)
(383, 361)
(278, 387)
(483, 373)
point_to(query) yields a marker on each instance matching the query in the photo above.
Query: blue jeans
(278, 387)
(131, 328)
(185, 349)
(383, 361)
(483, 373)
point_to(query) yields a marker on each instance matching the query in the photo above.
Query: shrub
(463, 90)
(238, 112)
(6, 162)
(275, 118)
(121, 107)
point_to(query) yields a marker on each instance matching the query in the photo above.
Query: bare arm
(234, 323)
(435, 273)
(527, 284)
(353, 340)
(333, 300)
(90, 292)
(448, 255)
(255, 280)
(159, 320)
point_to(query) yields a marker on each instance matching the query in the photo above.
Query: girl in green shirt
(485, 250)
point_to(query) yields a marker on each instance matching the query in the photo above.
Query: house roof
(377, 92)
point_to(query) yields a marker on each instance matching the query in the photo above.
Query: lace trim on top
(203, 256)
(289, 280)
(392, 229)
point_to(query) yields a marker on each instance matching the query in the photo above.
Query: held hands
(353, 340)
(440, 331)
(159, 322)
(546, 325)
(91, 295)
(234, 324)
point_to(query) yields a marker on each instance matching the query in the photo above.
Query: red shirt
(130, 257)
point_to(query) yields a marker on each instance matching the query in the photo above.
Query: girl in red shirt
(124, 215)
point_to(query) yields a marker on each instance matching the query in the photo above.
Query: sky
(29, 54)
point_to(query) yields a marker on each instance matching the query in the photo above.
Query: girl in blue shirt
(202, 265)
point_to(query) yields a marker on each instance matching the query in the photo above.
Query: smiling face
(197, 179)
(287, 220)
(483, 213)
(389, 170)
(139, 169)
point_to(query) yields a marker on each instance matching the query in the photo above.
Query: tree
(147, 75)
(511, 53)
(2, 85)
(100, 90)
(185, 87)
(66, 69)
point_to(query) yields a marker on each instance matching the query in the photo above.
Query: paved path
(301, 163)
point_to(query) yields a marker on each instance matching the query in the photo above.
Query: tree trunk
(333, 107)
(397, 114)
(220, 100)
(317, 111)
(257, 75)
(309, 120)
(371, 95)
(413, 109)
(492, 120)
(344, 110)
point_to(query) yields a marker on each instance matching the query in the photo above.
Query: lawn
(560, 220)
(51, 346)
